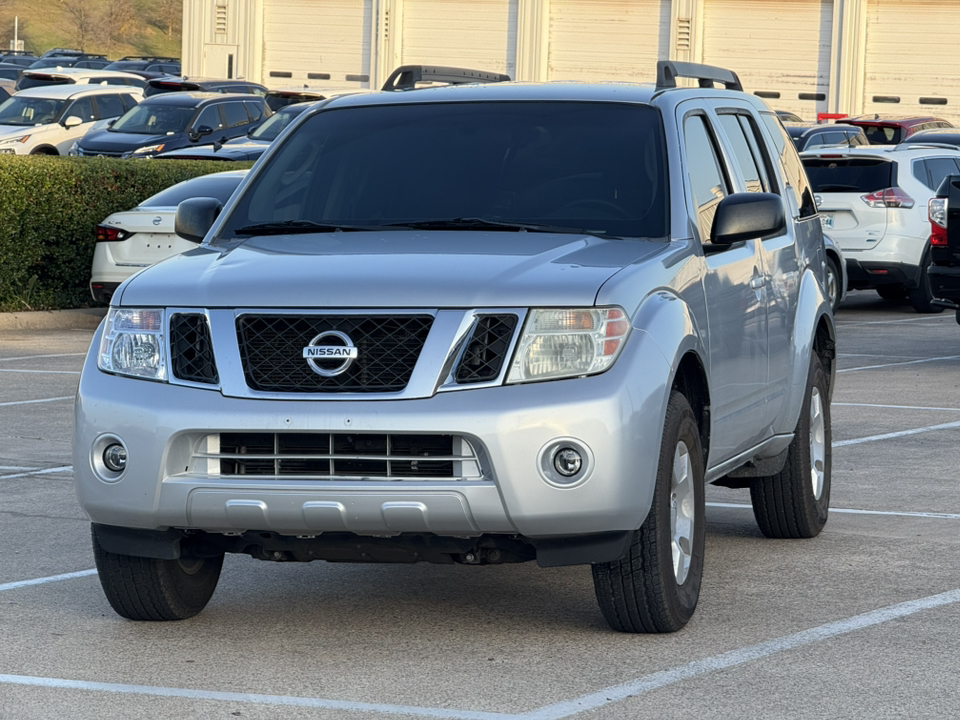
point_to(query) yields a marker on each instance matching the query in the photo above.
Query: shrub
(49, 210)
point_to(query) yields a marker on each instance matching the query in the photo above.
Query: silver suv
(478, 324)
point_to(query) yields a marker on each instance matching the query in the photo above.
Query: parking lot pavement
(859, 622)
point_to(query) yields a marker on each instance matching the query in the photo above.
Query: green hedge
(49, 210)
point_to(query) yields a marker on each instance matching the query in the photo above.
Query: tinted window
(209, 116)
(109, 106)
(154, 120)
(275, 123)
(932, 171)
(10, 73)
(129, 101)
(28, 81)
(524, 162)
(759, 150)
(704, 170)
(848, 175)
(742, 153)
(215, 186)
(236, 114)
(83, 109)
(254, 110)
(883, 134)
(20, 110)
(793, 169)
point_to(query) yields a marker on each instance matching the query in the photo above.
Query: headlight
(133, 343)
(73, 150)
(561, 343)
(148, 149)
(10, 141)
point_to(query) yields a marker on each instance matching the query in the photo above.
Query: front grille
(487, 349)
(191, 352)
(97, 153)
(354, 456)
(271, 349)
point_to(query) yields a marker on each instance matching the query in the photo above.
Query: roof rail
(706, 75)
(406, 77)
(158, 58)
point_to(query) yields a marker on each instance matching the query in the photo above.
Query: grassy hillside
(113, 27)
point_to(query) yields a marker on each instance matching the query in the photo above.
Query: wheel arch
(44, 150)
(690, 379)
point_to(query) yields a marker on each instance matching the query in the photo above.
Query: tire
(795, 502)
(141, 588)
(834, 283)
(922, 296)
(655, 587)
(892, 292)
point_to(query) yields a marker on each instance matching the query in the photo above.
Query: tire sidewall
(817, 508)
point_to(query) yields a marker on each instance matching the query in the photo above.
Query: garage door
(779, 48)
(912, 65)
(321, 43)
(476, 34)
(593, 40)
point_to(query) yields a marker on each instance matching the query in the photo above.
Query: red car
(893, 129)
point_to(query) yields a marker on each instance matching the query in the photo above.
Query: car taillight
(937, 212)
(108, 233)
(889, 197)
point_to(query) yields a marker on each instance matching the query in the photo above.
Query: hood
(15, 130)
(250, 151)
(106, 141)
(411, 269)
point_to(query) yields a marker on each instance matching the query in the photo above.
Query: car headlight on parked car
(146, 149)
(6, 146)
(562, 343)
(73, 150)
(133, 343)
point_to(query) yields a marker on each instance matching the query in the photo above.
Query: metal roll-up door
(475, 34)
(779, 48)
(592, 40)
(912, 66)
(322, 44)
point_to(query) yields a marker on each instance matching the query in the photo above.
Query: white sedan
(132, 240)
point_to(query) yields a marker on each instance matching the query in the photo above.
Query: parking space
(859, 622)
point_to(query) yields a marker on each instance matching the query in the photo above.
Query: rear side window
(932, 171)
(849, 175)
(793, 169)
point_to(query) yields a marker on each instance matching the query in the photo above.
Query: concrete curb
(81, 319)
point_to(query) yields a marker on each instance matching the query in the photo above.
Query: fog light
(115, 457)
(567, 461)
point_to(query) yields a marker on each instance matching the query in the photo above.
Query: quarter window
(707, 182)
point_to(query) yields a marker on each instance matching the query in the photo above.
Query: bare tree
(81, 18)
(117, 22)
(169, 14)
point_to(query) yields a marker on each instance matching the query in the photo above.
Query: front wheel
(655, 587)
(140, 588)
(794, 503)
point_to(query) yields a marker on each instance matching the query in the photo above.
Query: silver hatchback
(476, 324)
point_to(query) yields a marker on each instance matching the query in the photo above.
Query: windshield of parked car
(156, 119)
(215, 186)
(277, 122)
(883, 134)
(590, 165)
(20, 110)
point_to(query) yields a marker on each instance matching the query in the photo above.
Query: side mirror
(110, 124)
(743, 216)
(195, 217)
(200, 132)
(72, 122)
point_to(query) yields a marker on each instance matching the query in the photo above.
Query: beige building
(808, 56)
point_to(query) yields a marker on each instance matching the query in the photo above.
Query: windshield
(272, 127)
(154, 119)
(597, 166)
(220, 187)
(19, 110)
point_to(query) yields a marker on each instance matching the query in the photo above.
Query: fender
(812, 307)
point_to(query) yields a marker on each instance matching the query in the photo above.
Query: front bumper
(616, 416)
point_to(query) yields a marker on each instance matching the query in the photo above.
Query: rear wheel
(655, 588)
(921, 297)
(140, 588)
(834, 283)
(794, 503)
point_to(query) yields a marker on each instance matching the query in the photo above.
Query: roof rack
(706, 75)
(406, 77)
(157, 58)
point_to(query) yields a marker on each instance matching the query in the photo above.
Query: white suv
(48, 120)
(873, 203)
(45, 77)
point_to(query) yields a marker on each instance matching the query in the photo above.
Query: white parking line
(555, 711)
(851, 511)
(890, 322)
(46, 471)
(899, 433)
(895, 364)
(31, 402)
(42, 372)
(45, 580)
(894, 407)
(34, 357)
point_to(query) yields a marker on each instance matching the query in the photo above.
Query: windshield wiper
(476, 223)
(286, 227)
